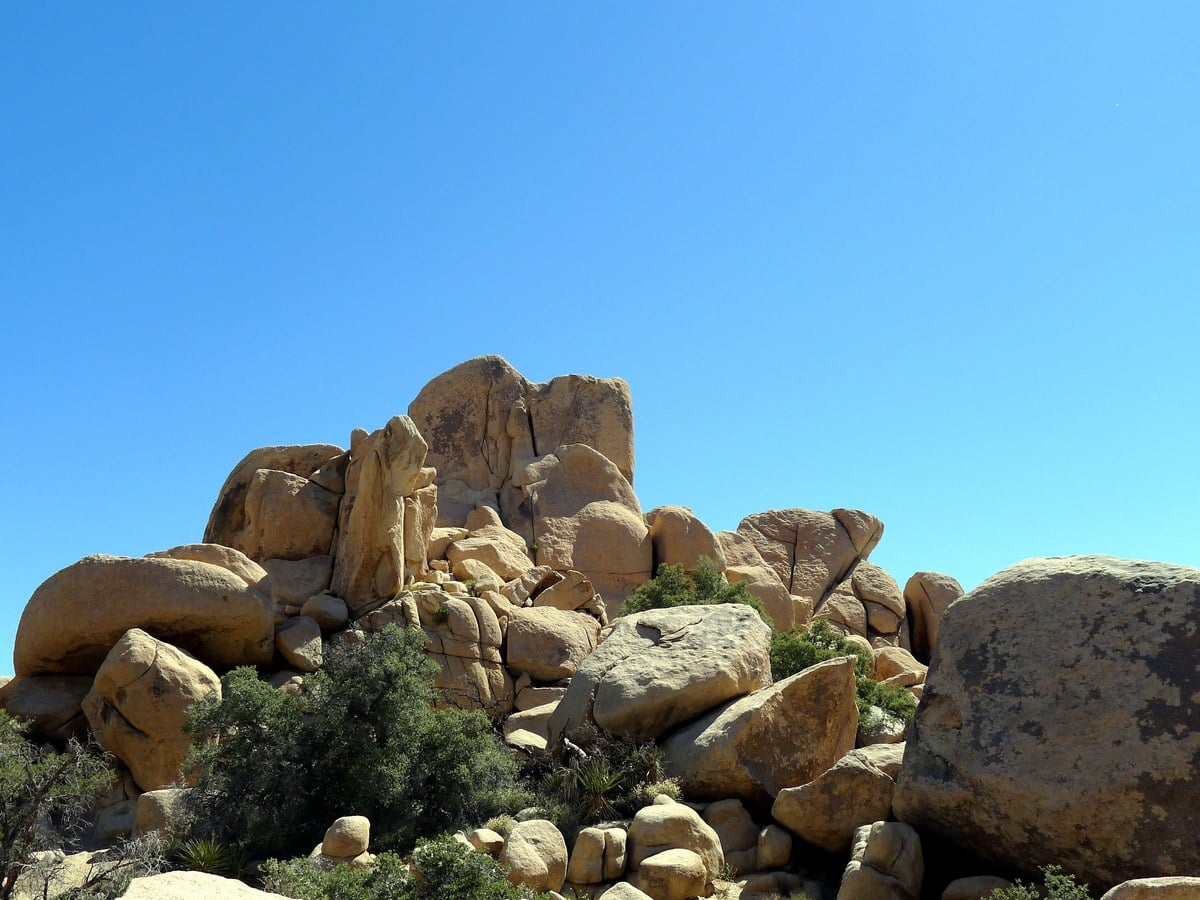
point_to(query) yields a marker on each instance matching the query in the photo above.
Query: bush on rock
(671, 587)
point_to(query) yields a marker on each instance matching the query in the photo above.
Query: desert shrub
(1056, 885)
(442, 869)
(108, 875)
(595, 776)
(39, 784)
(671, 586)
(794, 651)
(362, 738)
(201, 854)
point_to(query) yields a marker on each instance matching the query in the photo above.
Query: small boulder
(673, 875)
(347, 837)
(927, 596)
(886, 863)
(975, 887)
(299, 642)
(328, 611)
(673, 826)
(536, 855)
(1177, 888)
(549, 643)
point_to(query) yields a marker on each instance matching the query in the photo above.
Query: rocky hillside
(1059, 713)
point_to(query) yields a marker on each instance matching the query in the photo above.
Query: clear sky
(938, 261)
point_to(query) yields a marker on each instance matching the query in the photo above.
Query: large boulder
(927, 596)
(779, 736)
(586, 517)
(370, 565)
(287, 517)
(536, 854)
(79, 613)
(812, 552)
(663, 667)
(228, 522)
(51, 703)
(679, 538)
(743, 563)
(138, 705)
(1058, 722)
(485, 422)
(191, 885)
(1183, 888)
(673, 826)
(856, 791)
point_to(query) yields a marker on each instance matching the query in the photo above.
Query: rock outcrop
(1058, 723)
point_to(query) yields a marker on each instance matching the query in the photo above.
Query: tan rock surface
(743, 563)
(673, 875)
(192, 885)
(776, 737)
(536, 854)
(501, 550)
(227, 521)
(886, 863)
(856, 791)
(78, 614)
(661, 668)
(385, 467)
(138, 705)
(927, 595)
(1182, 888)
(287, 517)
(673, 826)
(347, 837)
(299, 643)
(1058, 720)
(679, 538)
(52, 703)
(549, 643)
(294, 581)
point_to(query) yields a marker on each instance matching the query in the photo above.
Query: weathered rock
(237, 562)
(501, 550)
(160, 811)
(661, 668)
(184, 885)
(536, 854)
(779, 736)
(586, 517)
(679, 538)
(733, 825)
(347, 837)
(743, 563)
(1182, 888)
(573, 591)
(485, 423)
(673, 875)
(843, 610)
(227, 523)
(774, 847)
(487, 841)
(477, 575)
(286, 517)
(299, 642)
(812, 552)
(927, 595)
(440, 540)
(549, 643)
(856, 791)
(897, 663)
(1058, 720)
(78, 614)
(138, 705)
(529, 729)
(673, 826)
(385, 467)
(623, 890)
(328, 611)
(532, 584)
(420, 518)
(115, 822)
(52, 703)
(294, 581)
(587, 858)
(886, 863)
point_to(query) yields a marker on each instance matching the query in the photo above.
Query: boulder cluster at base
(1058, 720)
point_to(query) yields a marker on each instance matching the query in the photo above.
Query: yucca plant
(210, 856)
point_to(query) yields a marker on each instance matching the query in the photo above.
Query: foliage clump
(361, 738)
(37, 785)
(442, 869)
(671, 586)
(794, 651)
(1056, 885)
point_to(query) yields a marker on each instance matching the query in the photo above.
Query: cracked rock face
(138, 705)
(1060, 719)
(661, 668)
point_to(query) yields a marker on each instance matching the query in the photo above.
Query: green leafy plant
(502, 825)
(794, 651)
(441, 615)
(1056, 885)
(38, 784)
(671, 586)
(209, 855)
(361, 738)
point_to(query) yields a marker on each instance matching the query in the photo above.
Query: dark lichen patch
(1171, 807)
(1032, 728)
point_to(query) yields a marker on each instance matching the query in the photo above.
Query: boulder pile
(1059, 716)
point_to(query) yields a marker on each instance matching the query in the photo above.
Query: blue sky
(937, 261)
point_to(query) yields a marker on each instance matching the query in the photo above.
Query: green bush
(1056, 885)
(794, 651)
(671, 586)
(39, 784)
(442, 869)
(362, 738)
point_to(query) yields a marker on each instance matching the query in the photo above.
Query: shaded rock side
(661, 668)
(743, 563)
(370, 564)
(927, 596)
(1058, 722)
(77, 615)
(777, 737)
